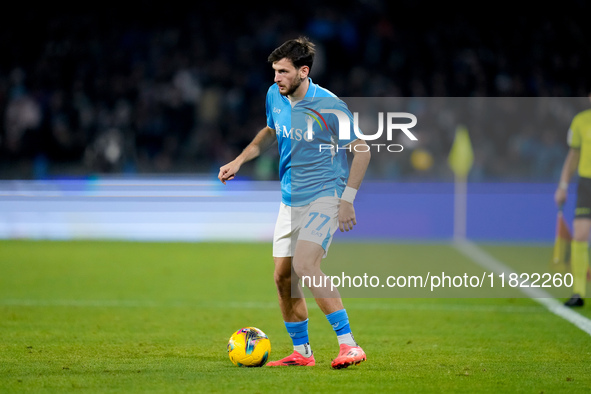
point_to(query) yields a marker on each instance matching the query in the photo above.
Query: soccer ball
(249, 347)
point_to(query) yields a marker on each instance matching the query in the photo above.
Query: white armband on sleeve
(349, 194)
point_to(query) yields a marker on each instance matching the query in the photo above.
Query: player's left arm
(357, 171)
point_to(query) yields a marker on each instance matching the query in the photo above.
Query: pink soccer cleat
(348, 355)
(294, 360)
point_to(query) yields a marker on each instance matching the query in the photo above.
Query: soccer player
(578, 158)
(317, 193)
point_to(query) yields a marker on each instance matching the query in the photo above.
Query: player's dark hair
(299, 50)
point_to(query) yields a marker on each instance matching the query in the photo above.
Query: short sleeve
(573, 138)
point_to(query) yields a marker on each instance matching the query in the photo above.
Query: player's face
(287, 77)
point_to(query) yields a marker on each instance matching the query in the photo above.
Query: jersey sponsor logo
(299, 134)
(276, 110)
(294, 134)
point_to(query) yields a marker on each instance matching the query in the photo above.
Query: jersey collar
(310, 94)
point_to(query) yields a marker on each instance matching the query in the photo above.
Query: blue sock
(298, 331)
(339, 322)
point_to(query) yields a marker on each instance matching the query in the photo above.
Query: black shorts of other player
(583, 209)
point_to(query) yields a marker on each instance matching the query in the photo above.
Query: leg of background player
(579, 260)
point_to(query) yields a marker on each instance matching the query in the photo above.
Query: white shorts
(315, 222)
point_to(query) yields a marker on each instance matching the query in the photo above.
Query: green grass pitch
(119, 317)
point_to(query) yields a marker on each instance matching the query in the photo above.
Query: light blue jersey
(307, 169)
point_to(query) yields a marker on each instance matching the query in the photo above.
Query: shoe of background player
(295, 359)
(575, 300)
(348, 355)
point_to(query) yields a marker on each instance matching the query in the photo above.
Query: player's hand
(560, 197)
(228, 171)
(346, 216)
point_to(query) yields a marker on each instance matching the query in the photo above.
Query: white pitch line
(266, 305)
(488, 262)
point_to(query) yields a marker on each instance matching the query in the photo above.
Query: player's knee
(283, 283)
(282, 278)
(581, 233)
(581, 229)
(304, 270)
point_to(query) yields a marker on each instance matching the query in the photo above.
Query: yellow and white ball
(249, 347)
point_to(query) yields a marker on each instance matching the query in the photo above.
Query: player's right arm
(260, 143)
(568, 169)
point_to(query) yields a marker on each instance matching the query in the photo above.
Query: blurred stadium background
(116, 119)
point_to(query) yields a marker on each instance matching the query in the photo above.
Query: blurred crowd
(161, 90)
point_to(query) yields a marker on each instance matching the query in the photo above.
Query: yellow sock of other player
(579, 266)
